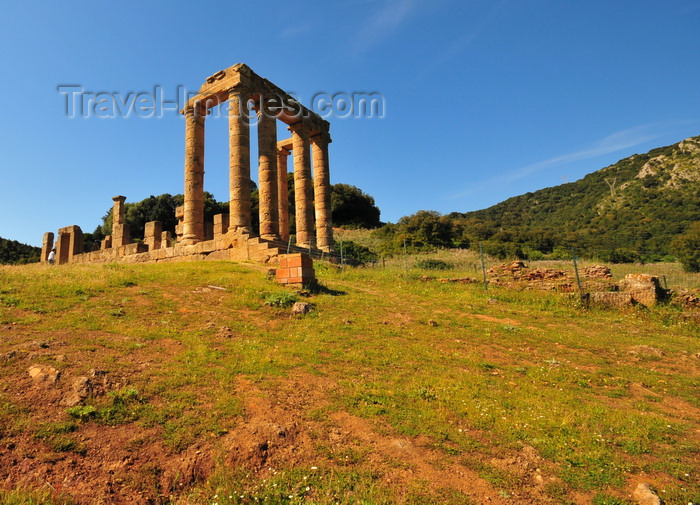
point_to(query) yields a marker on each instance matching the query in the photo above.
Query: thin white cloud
(618, 141)
(466, 40)
(383, 23)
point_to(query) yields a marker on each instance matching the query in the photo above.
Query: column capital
(119, 198)
(299, 128)
(322, 138)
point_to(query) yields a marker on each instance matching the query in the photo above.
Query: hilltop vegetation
(629, 211)
(13, 252)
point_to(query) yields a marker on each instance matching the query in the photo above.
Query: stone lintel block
(180, 212)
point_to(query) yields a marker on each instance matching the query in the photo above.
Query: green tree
(350, 206)
(686, 247)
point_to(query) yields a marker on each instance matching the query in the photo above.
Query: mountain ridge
(638, 204)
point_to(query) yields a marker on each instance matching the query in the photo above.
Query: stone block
(295, 269)
(106, 242)
(152, 236)
(612, 299)
(644, 288)
(221, 223)
(166, 238)
(69, 244)
(46, 246)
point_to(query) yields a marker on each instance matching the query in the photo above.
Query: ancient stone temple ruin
(229, 236)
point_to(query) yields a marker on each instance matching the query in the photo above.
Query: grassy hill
(191, 383)
(12, 252)
(638, 205)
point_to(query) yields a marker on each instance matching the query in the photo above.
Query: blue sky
(483, 99)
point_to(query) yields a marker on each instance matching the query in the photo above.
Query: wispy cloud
(462, 43)
(618, 141)
(383, 23)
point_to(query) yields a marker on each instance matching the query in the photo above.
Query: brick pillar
(283, 192)
(267, 174)
(303, 190)
(239, 160)
(322, 192)
(46, 246)
(193, 223)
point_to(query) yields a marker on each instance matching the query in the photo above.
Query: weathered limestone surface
(165, 238)
(282, 189)
(46, 246)
(267, 175)
(69, 244)
(193, 223)
(121, 234)
(303, 190)
(322, 192)
(644, 288)
(106, 242)
(152, 235)
(221, 224)
(239, 159)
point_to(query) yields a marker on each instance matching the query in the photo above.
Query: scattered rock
(644, 288)
(687, 299)
(224, 332)
(301, 308)
(80, 389)
(598, 272)
(645, 496)
(43, 374)
(460, 280)
(612, 299)
(646, 350)
(432, 323)
(7, 356)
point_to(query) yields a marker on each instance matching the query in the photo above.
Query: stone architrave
(46, 246)
(303, 187)
(239, 160)
(193, 222)
(152, 235)
(282, 188)
(267, 174)
(69, 243)
(322, 192)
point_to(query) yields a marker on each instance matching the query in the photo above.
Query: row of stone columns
(312, 196)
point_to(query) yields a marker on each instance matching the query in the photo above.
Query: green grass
(467, 374)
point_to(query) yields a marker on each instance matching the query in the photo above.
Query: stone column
(283, 192)
(46, 246)
(267, 174)
(121, 234)
(193, 222)
(322, 192)
(239, 160)
(303, 190)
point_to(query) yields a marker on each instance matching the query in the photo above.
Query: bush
(281, 299)
(686, 247)
(357, 252)
(433, 265)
